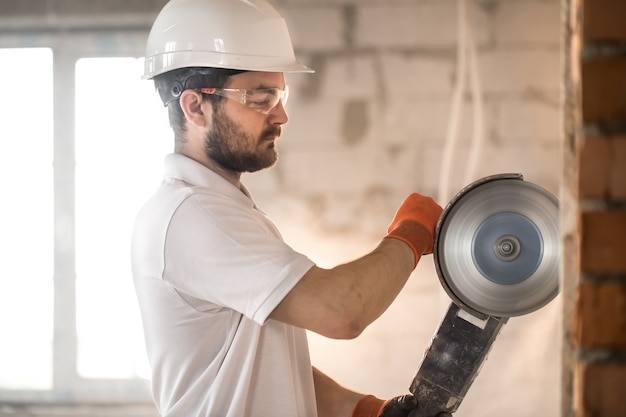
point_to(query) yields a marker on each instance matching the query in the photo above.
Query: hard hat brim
(160, 63)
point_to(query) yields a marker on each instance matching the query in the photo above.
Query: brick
(417, 119)
(350, 77)
(594, 168)
(603, 247)
(312, 126)
(617, 179)
(603, 168)
(17, 8)
(603, 20)
(600, 315)
(410, 74)
(528, 121)
(512, 21)
(304, 24)
(604, 90)
(505, 70)
(433, 25)
(418, 25)
(600, 390)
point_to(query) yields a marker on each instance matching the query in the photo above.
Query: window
(119, 157)
(75, 167)
(26, 219)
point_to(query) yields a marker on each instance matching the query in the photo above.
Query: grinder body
(496, 254)
(452, 361)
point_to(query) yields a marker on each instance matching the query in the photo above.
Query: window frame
(67, 48)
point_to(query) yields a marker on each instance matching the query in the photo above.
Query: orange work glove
(414, 224)
(370, 406)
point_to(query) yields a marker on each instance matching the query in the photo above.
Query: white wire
(457, 101)
(478, 133)
(465, 43)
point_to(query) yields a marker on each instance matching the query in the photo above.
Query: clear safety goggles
(263, 100)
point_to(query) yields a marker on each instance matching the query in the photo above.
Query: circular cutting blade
(497, 247)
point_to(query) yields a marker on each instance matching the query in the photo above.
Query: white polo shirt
(209, 268)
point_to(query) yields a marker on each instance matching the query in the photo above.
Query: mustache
(272, 131)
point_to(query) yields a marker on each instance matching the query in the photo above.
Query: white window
(83, 141)
(26, 219)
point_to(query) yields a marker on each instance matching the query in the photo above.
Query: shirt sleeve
(230, 255)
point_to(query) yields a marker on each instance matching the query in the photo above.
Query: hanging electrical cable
(478, 131)
(465, 45)
(456, 106)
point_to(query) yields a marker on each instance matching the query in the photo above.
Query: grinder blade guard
(496, 252)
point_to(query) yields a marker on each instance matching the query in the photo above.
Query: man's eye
(259, 99)
(259, 103)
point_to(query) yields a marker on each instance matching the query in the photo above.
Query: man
(224, 301)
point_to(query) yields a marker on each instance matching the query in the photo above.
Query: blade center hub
(507, 248)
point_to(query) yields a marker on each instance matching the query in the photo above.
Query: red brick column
(595, 290)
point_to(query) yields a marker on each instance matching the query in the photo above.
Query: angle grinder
(496, 252)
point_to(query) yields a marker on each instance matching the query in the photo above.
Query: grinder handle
(452, 361)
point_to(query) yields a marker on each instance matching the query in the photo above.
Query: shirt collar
(183, 168)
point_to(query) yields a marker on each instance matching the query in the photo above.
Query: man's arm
(341, 302)
(333, 400)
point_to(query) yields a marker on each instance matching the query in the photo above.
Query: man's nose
(278, 115)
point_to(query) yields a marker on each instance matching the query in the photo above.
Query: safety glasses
(263, 100)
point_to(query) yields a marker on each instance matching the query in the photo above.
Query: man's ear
(191, 104)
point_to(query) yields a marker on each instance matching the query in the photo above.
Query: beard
(234, 149)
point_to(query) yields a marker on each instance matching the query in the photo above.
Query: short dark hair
(171, 84)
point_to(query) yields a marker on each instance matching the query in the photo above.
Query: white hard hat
(233, 34)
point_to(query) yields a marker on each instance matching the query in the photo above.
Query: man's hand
(415, 222)
(370, 406)
(398, 406)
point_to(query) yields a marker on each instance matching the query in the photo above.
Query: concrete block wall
(370, 126)
(595, 287)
